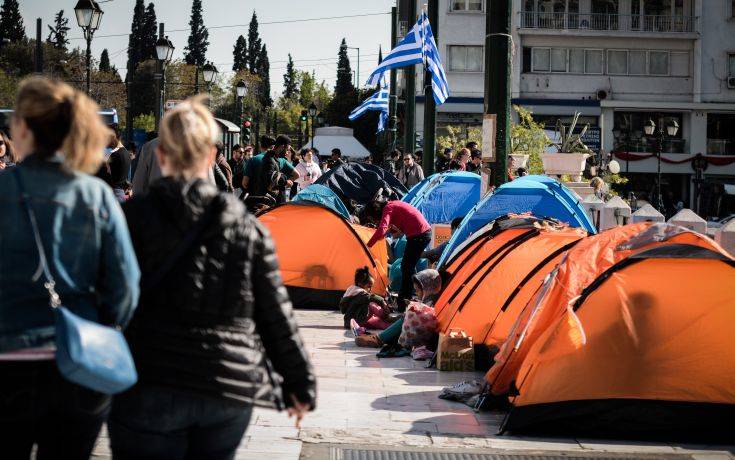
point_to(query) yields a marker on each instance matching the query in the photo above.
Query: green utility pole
(393, 101)
(497, 81)
(429, 103)
(409, 119)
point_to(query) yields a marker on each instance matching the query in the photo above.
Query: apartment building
(620, 63)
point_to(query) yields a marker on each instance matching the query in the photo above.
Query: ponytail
(363, 276)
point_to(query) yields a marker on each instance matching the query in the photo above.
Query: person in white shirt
(308, 171)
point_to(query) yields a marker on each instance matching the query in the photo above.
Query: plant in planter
(572, 153)
(528, 141)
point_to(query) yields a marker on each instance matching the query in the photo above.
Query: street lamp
(320, 119)
(164, 53)
(241, 90)
(209, 71)
(650, 129)
(312, 114)
(89, 15)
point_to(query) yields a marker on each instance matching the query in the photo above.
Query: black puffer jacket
(200, 330)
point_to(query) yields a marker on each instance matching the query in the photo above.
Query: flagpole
(409, 119)
(393, 105)
(429, 104)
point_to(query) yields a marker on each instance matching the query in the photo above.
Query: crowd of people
(185, 267)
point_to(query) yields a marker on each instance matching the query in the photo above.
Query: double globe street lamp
(241, 90)
(89, 14)
(650, 129)
(164, 54)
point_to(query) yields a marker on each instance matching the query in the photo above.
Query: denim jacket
(87, 246)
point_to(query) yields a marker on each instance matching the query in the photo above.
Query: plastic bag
(419, 325)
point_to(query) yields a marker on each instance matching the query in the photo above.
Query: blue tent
(540, 195)
(445, 196)
(324, 196)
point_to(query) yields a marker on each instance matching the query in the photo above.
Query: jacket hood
(353, 291)
(429, 280)
(184, 201)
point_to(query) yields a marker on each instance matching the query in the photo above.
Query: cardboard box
(455, 352)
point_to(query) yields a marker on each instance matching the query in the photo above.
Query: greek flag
(433, 62)
(377, 102)
(407, 52)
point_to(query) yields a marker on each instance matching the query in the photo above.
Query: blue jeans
(38, 406)
(156, 423)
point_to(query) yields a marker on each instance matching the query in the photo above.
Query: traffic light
(246, 133)
(417, 141)
(304, 115)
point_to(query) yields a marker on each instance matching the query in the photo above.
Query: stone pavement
(393, 402)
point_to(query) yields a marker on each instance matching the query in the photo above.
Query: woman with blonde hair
(59, 224)
(211, 294)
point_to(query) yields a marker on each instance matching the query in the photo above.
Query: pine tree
(264, 68)
(57, 33)
(105, 61)
(136, 34)
(240, 54)
(254, 44)
(149, 34)
(307, 88)
(196, 48)
(11, 22)
(290, 81)
(344, 84)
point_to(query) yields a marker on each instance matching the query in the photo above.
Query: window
(541, 60)
(593, 61)
(576, 60)
(679, 64)
(732, 9)
(617, 62)
(559, 60)
(466, 5)
(465, 58)
(731, 64)
(637, 62)
(658, 62)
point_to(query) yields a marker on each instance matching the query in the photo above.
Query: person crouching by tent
(409, 221)
(362, 308)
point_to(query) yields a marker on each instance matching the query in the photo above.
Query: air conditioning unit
(601, 95)
(731, 82)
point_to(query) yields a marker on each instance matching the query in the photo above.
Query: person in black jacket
(208, 322)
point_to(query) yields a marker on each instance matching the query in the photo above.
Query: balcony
(603, 24)
(648, 145)
(720, 147)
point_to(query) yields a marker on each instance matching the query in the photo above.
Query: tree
(263, 71)
(149, 34)
(11, 22)
(255, 44)
(104, 61)
(290, 81)
(240, 54)
(196, 48)
(135, 47)
(57, 33)
(345, 95)
(307, 88)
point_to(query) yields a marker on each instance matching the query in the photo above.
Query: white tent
(332, 137)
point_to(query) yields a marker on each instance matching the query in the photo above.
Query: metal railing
(720, 147)
(648, 145)
(609, 22)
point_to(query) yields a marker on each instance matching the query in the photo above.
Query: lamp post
(357, 76)
(312, 114)
(650, 130)
(164, 53)
(303, 118)
(241, 90)
(89, 15)
(209, 71)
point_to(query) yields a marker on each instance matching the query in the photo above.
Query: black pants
(157, 423)
(38, 406)
(415, 245)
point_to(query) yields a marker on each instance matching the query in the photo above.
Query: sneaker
(357, 330)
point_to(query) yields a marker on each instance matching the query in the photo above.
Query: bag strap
(183, 247)
(49, 284)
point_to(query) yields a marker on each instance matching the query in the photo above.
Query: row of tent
(622, 333)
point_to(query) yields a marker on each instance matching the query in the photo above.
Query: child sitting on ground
(361, 308)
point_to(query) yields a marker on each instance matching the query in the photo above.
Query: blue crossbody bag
(87, 353)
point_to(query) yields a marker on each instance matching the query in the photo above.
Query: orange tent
(632, 335)
(319, 251)
(498, 273)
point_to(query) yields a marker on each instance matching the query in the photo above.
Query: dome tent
(317, 272)
(320, 194)
(539, 195)
(605, 348)
(445, 196)
(361, 182)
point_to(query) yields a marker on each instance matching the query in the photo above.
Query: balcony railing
(608, 22)
(720, 147)
(648, 145)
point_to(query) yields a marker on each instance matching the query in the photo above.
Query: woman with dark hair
(408, 221)
(7, 153)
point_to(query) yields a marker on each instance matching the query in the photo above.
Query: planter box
(559, 164)
(518, 160)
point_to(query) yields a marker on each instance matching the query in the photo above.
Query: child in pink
(361, 305)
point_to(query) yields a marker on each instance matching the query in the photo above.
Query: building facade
(620, 63)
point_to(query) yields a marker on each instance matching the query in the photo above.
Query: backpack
(270, 175)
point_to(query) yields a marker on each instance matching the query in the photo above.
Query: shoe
(368, 341)
(357, 330)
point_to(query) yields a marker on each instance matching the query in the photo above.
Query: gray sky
(313, 44)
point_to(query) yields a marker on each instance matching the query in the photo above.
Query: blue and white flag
(433, 62)
(407, 52)
(377, 102)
